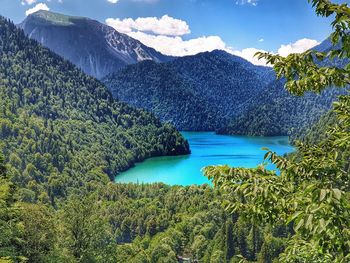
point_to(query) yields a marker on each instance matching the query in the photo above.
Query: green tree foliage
(39, 232)
(312, 190)
(230, 241)
(10, 224)
(200, 92)
(196, 227)
(271, 249)
(111, 225)
(85, 232)
(275, 112)
(61, 130)
(317, 132)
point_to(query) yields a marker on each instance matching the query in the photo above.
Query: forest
(277, 112)
(310, 189)
(64, 138)
(62, 130)
(216, 91)
(132, 223)
(210, 88)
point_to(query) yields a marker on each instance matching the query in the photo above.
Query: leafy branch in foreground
(312, 190)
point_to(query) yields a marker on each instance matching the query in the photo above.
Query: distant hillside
(61, 130)
(205, 92)
(275, 112)
(156, 87)
(318, 132)
(200, 92)
(92, 46)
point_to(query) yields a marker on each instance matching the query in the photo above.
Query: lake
(207, 149)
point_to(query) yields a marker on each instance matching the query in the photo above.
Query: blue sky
(196, 25)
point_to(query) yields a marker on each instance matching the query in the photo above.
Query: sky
(187, 27)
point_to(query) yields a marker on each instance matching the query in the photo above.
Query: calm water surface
(207, 149)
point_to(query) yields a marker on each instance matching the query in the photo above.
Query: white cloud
(113, 1)
(36, 8)
(261, 40)
(165, 25)
(299, 46)
(248, 54)
(247, 2)
(176, 46)
(165, 35)
(28, 2)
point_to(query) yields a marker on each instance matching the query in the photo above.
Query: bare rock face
(94, 47)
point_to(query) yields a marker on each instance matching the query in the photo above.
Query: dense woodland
(221, 92)
(195, 93)
(61, 130)
(276, 112)
(64, 138)
(132, 223)
(154, 86)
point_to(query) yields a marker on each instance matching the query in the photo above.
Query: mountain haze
(92, 46)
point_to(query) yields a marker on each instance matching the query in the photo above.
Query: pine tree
(230, 241)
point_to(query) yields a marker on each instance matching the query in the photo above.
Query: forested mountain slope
(207, 91)
(276, 112)
(156, 87)
(218, 91)
(226, 81)
(200, 92)
(317, 132)
(60, 129)
(94, 47)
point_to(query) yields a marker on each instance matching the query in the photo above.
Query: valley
(209, 91)
(140, 140)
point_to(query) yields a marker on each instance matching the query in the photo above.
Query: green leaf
(323, 194)
(299, 225)
(294, 216)
(337, 193)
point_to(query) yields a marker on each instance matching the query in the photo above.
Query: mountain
(155, 87)
(205, 92)
(196, 93)
(61, 130)
(318, 132)
(92, 46)
(276, 112)
(222, 92)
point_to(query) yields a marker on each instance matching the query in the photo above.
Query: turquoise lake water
(207, 149)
